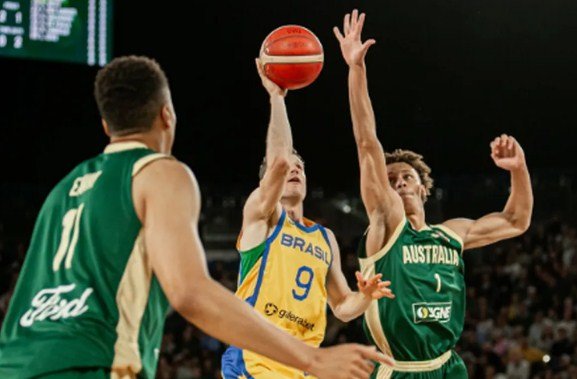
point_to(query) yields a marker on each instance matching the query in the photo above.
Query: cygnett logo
(432, 312)
(422, 312)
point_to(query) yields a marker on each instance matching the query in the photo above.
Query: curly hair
(415, 161)
(129, 92)
(262, 168)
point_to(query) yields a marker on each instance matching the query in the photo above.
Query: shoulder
(252, 198)
(164, 166)
(456, 228)
(169, 176)
(457, 225)
(330, 237)
(330, 234)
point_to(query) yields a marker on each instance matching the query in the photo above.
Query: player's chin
(407, 202)
(411, 202)
(294, 193)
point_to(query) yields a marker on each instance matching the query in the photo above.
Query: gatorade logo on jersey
(271, 309)
(48, 303)
(302, 245)
(432, 312)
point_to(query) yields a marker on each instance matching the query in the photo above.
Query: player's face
(406, 181)
(296, 184)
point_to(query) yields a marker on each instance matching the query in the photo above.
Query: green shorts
(78, 373)
(453, 368)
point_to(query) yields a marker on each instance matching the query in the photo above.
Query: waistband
(414, 366)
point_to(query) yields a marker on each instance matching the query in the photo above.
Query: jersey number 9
(303, 280)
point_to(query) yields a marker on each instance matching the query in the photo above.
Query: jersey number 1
(438, 279)
(69, 239)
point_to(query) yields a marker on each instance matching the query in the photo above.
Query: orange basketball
(292, 56)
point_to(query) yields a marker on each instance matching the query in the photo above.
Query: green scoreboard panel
(77, 31)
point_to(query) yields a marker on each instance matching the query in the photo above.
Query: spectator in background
(517, 365)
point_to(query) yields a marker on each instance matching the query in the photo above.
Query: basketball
(292, 56)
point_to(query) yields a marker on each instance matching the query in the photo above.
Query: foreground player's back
(86, 295)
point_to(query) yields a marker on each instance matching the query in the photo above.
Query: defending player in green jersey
(421, 326)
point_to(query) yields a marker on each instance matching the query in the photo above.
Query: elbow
(524, 220)
(341, 315)
(280, 165)
(521, 223)
(181, 305)
(524, 224)
(187, 305)
(188, 301)
(368, 143)
(344, 318)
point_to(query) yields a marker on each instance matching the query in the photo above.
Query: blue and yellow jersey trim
(284, 279)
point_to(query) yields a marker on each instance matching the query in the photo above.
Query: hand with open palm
(352, 48)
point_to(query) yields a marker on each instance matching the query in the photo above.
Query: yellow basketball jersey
(284, 279)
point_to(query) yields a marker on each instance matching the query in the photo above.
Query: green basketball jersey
(86, 295)
(426, 271)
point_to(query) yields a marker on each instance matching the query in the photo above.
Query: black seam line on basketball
(291, 59)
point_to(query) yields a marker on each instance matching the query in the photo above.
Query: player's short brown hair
(129, 92)
(415, 161)
(262, 168)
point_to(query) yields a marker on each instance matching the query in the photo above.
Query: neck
(293, 208)
(417, 222)
(417, 218)
(149, 139)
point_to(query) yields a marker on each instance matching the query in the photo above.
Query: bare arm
(170, 214)
(515, 217)
(384, 206)
(262, 207)
(345, 303)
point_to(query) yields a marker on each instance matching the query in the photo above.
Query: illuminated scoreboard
(61, 30)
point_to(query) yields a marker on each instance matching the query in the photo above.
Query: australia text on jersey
(435, 254)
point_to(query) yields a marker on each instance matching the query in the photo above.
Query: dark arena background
(445, 78)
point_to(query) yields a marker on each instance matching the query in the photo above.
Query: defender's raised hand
(352, 48)
(374, 287)
(507, 153)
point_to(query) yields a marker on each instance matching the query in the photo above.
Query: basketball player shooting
(290, 265)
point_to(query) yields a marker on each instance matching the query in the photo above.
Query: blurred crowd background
(445, 79)
(521, 293)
